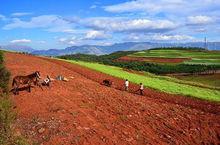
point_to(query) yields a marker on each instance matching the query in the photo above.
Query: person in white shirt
(141, 88)
(126, 84)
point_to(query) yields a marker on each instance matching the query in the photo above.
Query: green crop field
(210, 80)
(197, 57)
(158, 83)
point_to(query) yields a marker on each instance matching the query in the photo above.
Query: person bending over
(46, 82)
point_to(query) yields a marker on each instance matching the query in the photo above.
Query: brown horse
(25, 80)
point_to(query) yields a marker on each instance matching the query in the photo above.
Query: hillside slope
(82, 111)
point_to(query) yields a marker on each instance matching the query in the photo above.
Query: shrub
(1, 57)
(4, 79)
(6, 119)
(7, 115)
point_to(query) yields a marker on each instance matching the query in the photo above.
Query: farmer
(46, 82)
(126, 84)
(141, 89)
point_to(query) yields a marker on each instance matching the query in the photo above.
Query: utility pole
(205, 43)
(215, 46)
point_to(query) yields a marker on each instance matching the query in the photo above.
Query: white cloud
(52, 23)
(130, 6)
(199, 20)
(167, 6)
(160, 37)
(20, 14)
(93, 7)
(130, 25)
(21, 41)
(68, 31)
(62, 39)
(2, 17)
(200, 30)
(139, 20)
(136, 37)
(69, 41)
(145, 5)
(42, 42)
(84, 37)
(72, 42)
(196, 16)
(96, 35)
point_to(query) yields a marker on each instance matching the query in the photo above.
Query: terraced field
(187, 56)
(210, 80)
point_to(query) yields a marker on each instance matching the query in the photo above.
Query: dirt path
(82, 111)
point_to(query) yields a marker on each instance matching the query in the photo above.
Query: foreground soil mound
(81, 111)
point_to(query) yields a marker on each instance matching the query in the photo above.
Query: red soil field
(82, 111)
(153, 59)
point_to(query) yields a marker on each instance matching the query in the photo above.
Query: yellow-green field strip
(154, 82)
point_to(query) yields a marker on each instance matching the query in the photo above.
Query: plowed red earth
(153, 59)
(81, 111)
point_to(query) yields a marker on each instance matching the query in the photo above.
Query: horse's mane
(32, 75)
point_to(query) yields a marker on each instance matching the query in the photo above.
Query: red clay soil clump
(153, 59)
(81, 111)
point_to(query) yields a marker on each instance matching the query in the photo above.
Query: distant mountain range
(18, 48)
(99, 50)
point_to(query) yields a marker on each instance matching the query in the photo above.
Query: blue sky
(47, 24)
